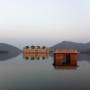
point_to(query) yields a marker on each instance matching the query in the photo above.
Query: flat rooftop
(59, 50)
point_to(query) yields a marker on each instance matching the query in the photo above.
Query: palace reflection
(35, 56)
(65, 67)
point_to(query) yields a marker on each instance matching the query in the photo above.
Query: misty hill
(8, 51)
(81, 47)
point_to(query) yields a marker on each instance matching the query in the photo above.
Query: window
(66, 59)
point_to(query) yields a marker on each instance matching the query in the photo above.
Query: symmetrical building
(65, 57)
(36, 50)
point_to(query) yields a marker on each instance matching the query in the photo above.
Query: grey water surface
(17, 73)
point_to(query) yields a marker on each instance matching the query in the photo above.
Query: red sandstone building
(35, 50)
(65, 57)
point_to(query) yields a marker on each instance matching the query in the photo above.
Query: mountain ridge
(81, 47)
(8, 51)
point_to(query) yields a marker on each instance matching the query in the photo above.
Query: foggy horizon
(49, 21)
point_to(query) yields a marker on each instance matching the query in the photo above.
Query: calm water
(20, 74)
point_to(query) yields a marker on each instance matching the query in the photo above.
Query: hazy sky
(45, 20)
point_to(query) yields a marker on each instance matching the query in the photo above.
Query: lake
(39, 73)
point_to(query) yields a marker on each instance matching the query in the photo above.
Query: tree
(32, 58)
(38, 47)
(43, 47)
(27, 47)
(26, 58)
(32, 47)
(43, 58)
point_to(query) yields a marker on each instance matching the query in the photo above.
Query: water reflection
(6, 56)
(9, 54)
(65, 67)
(84, 57)
(81, 57)
(28, 56)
